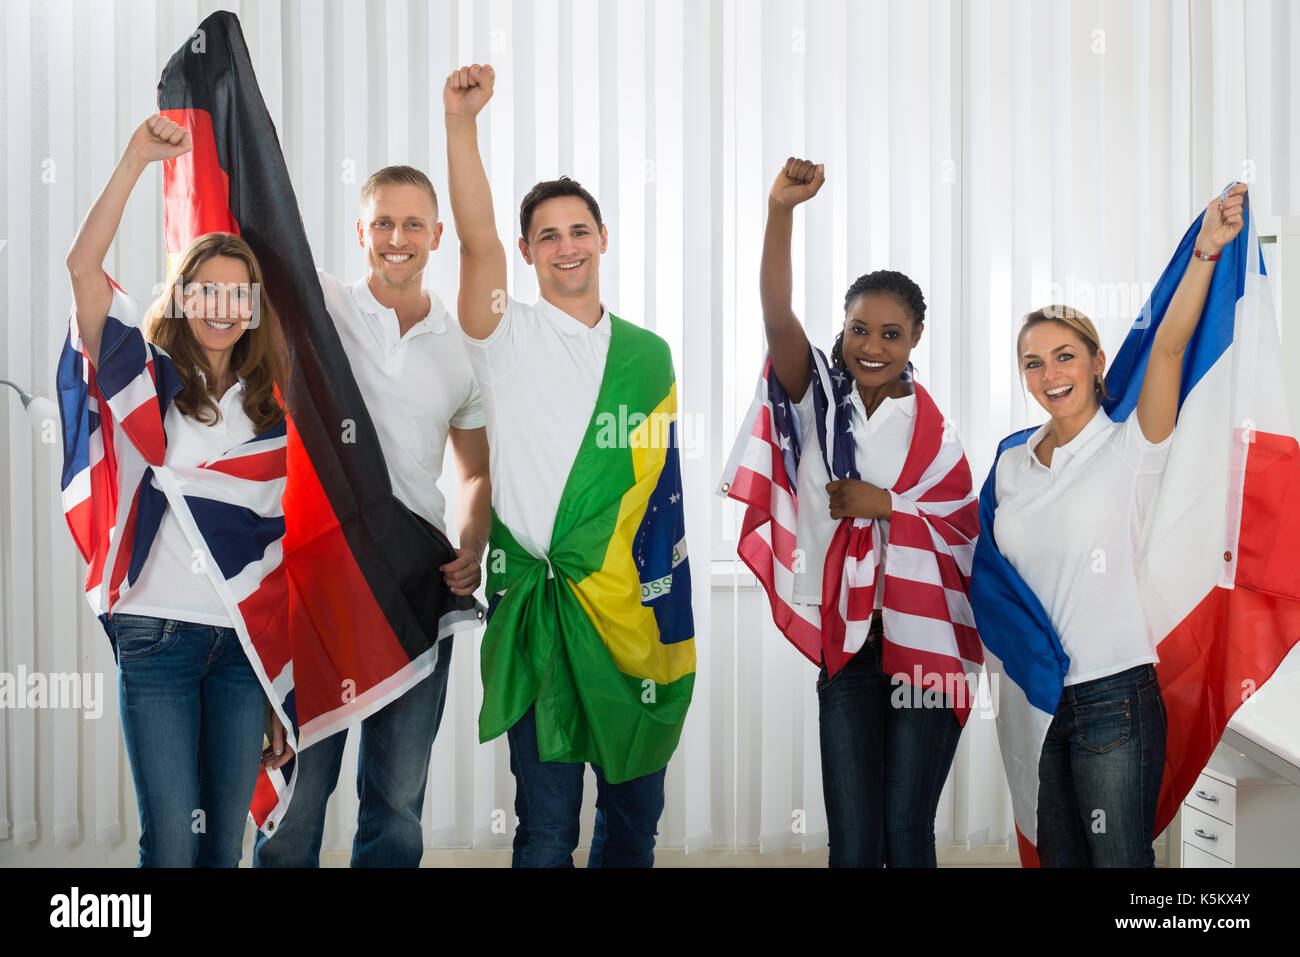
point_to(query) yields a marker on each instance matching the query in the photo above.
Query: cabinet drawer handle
(1207, 796)
(1209, 837)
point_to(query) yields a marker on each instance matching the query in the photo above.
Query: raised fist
(468, 89)
(158, 138)
(798, 182)
(1223, 220)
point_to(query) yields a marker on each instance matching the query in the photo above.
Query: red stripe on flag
(1028, 853)
(917, 598)
(338, 630)
(125, 544)
(1233, 641)
(262, 467)
(927, 438)
(954, 486)
(265, 798)
(81, 519)
(940, 672)
(757, 557)
(196, 188)
(144, 428)
(266, 615)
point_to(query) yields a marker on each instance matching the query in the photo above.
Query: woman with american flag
(174, 465)
(861, 527)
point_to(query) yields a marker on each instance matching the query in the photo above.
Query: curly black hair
(889, 281)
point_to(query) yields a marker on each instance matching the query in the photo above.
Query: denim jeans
(548, 799)
(1100, 770)
(885, 757)
(193, 716)
(392, 770)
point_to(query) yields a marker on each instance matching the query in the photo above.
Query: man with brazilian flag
(589, 653)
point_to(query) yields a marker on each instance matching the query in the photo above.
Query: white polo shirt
(173, 582)
(1073, 532)
(540, 373)
(415, 387)
(882, 442)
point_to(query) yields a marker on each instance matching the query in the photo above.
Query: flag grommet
(726, 486)
(1227, 556)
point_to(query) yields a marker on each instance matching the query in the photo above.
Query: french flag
(1220, 569)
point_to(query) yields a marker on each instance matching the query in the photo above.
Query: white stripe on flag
(1022, 729)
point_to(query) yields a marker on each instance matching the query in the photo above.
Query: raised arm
(482, 300)
(798, 181)
(1157, 406)
(157, 138)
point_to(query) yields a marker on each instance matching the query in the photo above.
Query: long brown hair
(259, 357)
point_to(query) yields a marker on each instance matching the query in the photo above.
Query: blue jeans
(885, 757)
(1100, 770)
(392, 770)
(548, 799)
(193, 716)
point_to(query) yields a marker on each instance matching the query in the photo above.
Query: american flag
(116, 488)
(930, 638)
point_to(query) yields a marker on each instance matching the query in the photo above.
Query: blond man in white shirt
(419, 389)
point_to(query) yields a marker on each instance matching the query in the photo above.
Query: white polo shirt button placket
(1073, 532)
(540, 373)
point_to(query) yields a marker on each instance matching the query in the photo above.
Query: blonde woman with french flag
(1138, 565)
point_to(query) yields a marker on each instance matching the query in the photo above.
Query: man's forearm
(474, 513)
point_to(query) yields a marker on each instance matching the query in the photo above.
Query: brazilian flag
(598, 634)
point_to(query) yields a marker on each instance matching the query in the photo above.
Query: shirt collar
(1077, 446)
(435, 321)
(889, 405)
(236, 390)
(571, 326)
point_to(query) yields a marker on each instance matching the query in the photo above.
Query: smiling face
(218, 303)
(1059, 371)
(399, 228)
(879, 336)
(564, 247)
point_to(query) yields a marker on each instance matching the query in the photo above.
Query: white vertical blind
(1004, 154)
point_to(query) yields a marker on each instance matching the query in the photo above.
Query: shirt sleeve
(497, 356)
(1140, 454)
(470, 415)
(806, 411)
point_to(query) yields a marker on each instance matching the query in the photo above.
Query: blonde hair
(259, 357)
(1076, 322)
(398, 176)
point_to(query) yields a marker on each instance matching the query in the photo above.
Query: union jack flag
(117, 486)
(929, 631)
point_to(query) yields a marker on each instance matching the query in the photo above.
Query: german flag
(367, 604)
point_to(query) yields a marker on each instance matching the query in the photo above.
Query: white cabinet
(1240, 814)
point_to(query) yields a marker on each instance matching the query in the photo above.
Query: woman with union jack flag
(174, 442)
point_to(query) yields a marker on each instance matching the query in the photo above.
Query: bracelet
(1203, 257)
